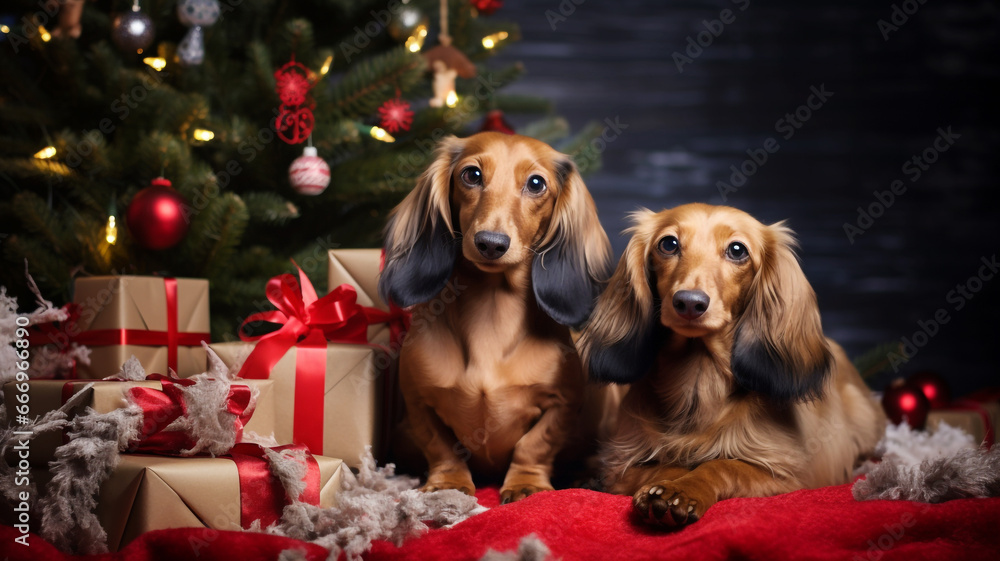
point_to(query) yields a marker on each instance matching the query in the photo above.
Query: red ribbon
(162, 407)
(68, 332)
(261, 495)
(307, 323)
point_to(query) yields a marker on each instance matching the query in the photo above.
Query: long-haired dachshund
(498, 248)
(735, 391)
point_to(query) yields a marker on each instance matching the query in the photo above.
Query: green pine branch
(372, 81)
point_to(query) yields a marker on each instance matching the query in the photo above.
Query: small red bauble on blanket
(934, 387)
(906, 402)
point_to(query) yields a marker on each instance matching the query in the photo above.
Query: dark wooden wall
(892, 91)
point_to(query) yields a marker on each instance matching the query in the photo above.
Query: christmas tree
(102, 98)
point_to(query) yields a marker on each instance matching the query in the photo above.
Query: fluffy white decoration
(81, 466)
(132, 370)
(529, 549)
(376, 505)
(929, 467)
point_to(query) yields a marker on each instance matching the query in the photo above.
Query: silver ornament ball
(132, 31)
(405, 23)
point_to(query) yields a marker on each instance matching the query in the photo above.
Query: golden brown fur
(490, 376)
(746, 400)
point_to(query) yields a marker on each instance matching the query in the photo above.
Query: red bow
(162, 407)
(304, 318)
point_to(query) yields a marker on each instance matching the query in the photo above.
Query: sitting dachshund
(735, 390)
(498, 249)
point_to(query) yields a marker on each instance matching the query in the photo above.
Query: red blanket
(576, 524)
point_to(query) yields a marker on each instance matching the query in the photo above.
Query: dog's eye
(472, 176)
(737, 251)
(535, 185)
(669, 245)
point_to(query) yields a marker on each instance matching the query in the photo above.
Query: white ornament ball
(198, 12)
(309, 174)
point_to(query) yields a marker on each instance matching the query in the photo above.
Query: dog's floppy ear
(619, 344)
(420, 245)
(779, 348)
(574, 257)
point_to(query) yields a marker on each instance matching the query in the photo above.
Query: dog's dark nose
(690, 304)
(492, 245)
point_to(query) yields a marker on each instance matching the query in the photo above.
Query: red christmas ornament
(309, 174)
(487, 7)
(903, 401)
(295, 118)
(495, 122)
(934, 387)
(395, 115)
(156, 216)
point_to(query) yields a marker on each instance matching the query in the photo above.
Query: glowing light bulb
(452, 99)
(491, 41)
(157, 63)
(203, 135)
(4, 29)
(44, 33)
(46, 153)
(416, 41)
(379, 133)
(111, 231)
(326, 65)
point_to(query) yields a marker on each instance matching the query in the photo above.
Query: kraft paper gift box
(121, 316)
(361, 268)
(978, 418)
(148, 492)
(339, 408)
(351, 401)
(106, 396)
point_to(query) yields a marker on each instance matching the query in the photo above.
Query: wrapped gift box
(978, 418)
(106, 396)
(360, 268)
(148, 492)
(351, 401)
(122, 316)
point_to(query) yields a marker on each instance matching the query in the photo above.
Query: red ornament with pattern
(295, 119)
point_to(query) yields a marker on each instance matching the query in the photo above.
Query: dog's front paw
(667, 504)
(518, 492)
(460, 481)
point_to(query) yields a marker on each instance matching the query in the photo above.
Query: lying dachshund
(498, 249)
(735, 390)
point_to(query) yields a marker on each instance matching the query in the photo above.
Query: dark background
(614, 59)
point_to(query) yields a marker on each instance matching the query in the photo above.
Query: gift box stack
(320, 384)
